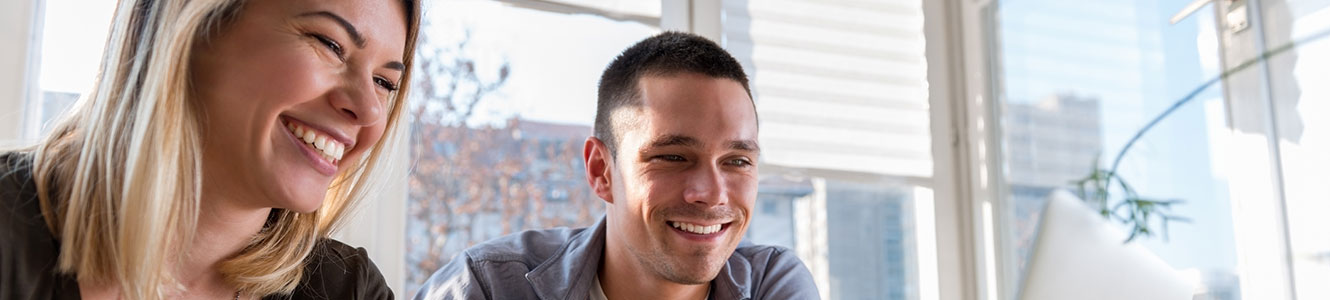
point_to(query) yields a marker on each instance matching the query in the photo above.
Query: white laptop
(1080, 255)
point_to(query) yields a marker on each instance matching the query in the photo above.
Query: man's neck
(622, 277)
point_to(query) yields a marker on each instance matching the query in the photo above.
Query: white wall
(18, 31)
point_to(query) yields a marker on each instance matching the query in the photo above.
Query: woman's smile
(324, 150)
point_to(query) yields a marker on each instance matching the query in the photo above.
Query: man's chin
(694, 272)
(692, 279)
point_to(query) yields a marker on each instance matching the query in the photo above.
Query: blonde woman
(223, 142)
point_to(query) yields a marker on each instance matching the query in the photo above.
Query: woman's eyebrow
(350, 29)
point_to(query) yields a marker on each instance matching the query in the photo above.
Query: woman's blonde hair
(119, 177)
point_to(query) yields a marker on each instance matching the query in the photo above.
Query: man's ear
(599, 164)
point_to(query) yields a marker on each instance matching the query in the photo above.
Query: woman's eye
(329, 43)
(385, 84)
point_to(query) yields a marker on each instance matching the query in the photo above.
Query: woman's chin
(306, 203)
(303, 196)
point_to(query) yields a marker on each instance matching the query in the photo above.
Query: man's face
(685, 177)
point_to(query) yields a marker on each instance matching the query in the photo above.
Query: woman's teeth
(694, 228)
(329, 147)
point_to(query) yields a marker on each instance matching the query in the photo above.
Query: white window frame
(975, 260)
(953, 49)
(1264, 254)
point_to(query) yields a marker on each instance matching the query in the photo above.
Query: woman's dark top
(28, 252)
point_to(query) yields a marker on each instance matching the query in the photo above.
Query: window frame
(953, 51)
(1261, 230)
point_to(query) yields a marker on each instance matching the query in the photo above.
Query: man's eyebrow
(687, 141)
(745, 145)
(673, 140)
(350, 29)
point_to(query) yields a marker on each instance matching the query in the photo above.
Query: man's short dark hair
(665, 54)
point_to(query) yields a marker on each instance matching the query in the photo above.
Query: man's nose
(706, 185)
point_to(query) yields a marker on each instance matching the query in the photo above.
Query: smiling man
(674, 157)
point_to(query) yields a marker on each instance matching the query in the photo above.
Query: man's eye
(741, 162)
(331, 44)
(669, 157)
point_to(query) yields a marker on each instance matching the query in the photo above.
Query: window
(1077, 80)
(72, 38)
(499, 115)
(1243, 156)
(842, 98)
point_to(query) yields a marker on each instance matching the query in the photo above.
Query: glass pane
(1299, 93)
(869, 241)
(1076, 81)
(499, 115)
(841, 90)
(857, 238)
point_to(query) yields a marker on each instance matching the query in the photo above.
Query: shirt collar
(571, 272)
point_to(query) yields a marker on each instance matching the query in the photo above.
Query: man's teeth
(330, 148)
(694, 228)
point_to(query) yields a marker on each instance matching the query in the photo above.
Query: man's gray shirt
(563, 264)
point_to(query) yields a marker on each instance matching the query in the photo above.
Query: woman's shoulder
(30, 250)
(16, 176)
(20, 211)
(335, 270)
